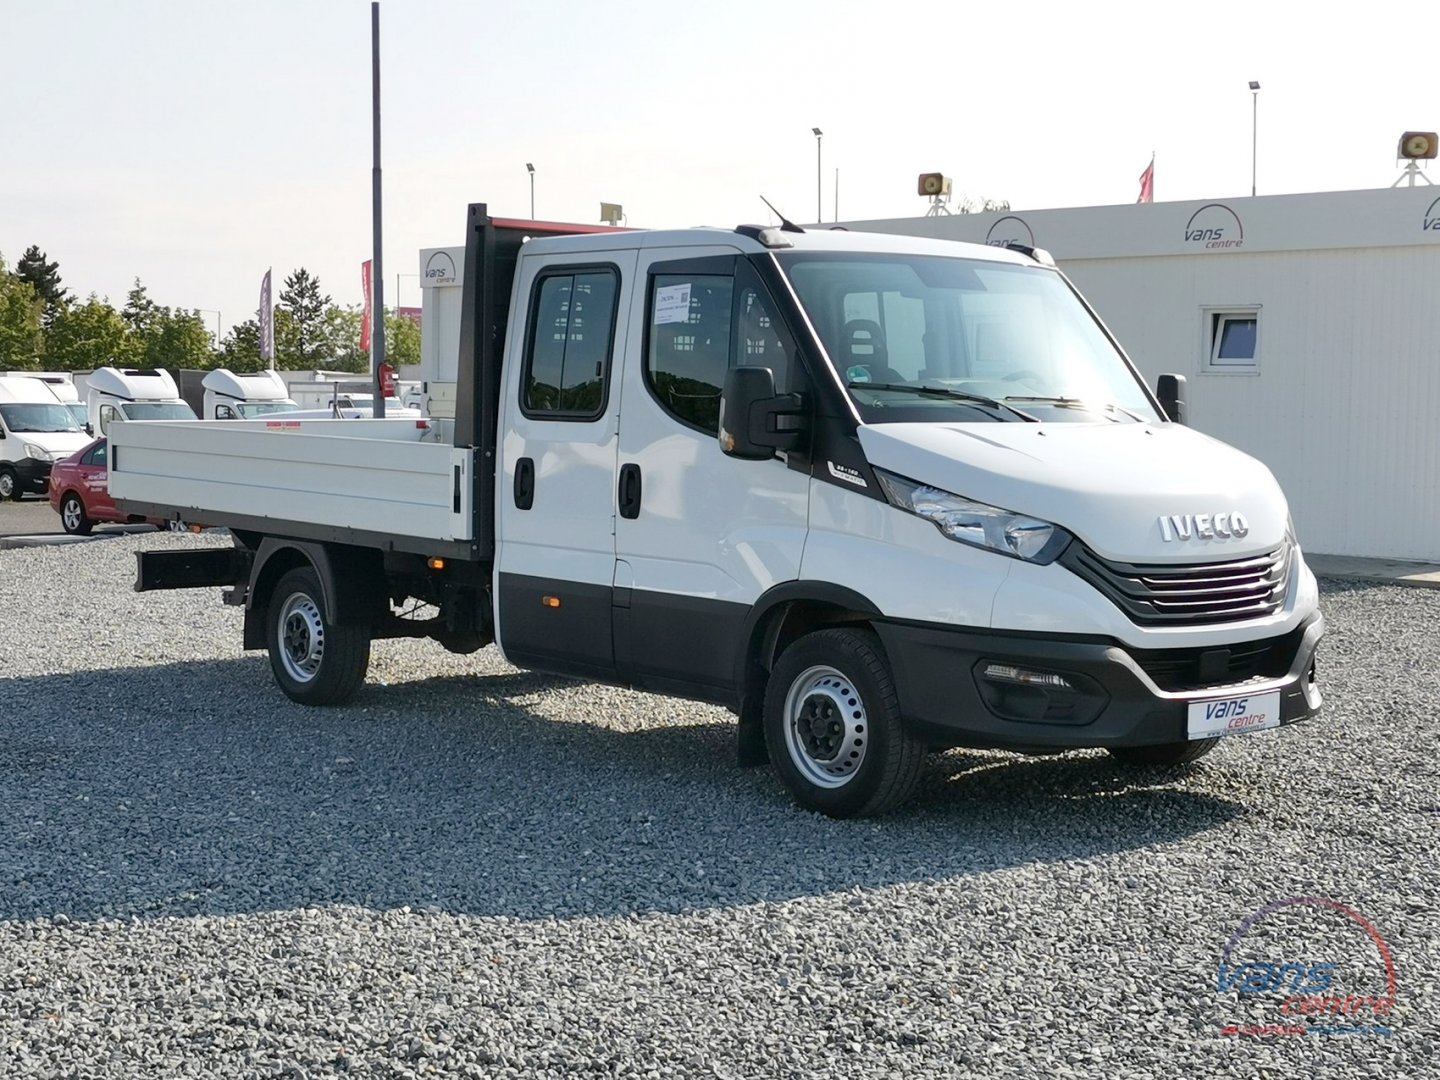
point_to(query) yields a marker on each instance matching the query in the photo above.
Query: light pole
(211, 311)
(531, 170)
(1254, 130)
(819, 213)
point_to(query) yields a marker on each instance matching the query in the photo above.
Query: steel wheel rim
(70, 514)
(827, 730)
(302, 637)
(7, 485)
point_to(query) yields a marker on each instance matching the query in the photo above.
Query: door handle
(630, 491)
(524, 483)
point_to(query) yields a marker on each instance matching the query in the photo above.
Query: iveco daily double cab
(876, 494)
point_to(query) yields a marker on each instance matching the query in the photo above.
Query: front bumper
(1122, 696)
(34, 475)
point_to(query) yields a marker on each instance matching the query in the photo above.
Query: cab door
(555, 482)
(699, 536)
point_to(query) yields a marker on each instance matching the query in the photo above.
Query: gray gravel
(474, 871)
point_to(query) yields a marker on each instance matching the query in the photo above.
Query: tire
(1175, 753)
(73, 518)
(9, 485)
(864, 762)
(315, 661)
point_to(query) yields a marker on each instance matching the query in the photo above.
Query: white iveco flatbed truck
(876, 494)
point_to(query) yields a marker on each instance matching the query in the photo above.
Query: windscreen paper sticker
(672, 304)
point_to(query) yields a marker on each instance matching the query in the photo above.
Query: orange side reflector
(435, 563)
(550, 601)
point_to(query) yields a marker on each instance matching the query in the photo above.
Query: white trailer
(874, 494)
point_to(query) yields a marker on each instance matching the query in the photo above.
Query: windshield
(151, 410)
(36, 418)
(935, 339)
(264, 408)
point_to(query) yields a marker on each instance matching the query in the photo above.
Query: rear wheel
(833, 727)
(1175, 753)
(73, 518)
(316, 662)
(9, 484)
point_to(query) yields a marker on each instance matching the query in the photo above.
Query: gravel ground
(473, 871)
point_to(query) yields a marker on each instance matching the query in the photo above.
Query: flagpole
(377, 276)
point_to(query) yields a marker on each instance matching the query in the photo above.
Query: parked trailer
(875, 494)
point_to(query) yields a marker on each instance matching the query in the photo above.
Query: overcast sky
(194, 143)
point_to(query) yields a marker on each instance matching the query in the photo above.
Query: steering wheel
(1023, 373)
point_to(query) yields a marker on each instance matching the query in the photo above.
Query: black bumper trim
(936, 677)
(34, 476)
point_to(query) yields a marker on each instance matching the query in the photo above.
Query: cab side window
(700, 327)
(567, 358)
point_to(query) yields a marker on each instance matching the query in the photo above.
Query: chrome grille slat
(1190, 593)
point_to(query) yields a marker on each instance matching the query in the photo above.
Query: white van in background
(132, 394)
(230, 396)
(36, 430)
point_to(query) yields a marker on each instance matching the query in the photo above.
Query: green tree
(342, 337)
(240, 351)
(44, 278)
(88, 335)
(178, 339)
(140, 312)
(305, 336)
(20, 314)
(402, 341)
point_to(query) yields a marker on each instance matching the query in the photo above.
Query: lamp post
(819, 213)
(1254, 130)
(211, 311)
(531, 170)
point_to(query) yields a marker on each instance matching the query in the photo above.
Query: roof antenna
(786, 225)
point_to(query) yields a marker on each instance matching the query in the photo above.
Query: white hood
(59, 444)
(1108, 484)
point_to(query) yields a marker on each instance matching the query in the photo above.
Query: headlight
(975, 523)
(37, 452)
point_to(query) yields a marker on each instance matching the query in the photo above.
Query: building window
(1232, 341)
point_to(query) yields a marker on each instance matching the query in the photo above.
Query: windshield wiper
(1076, 403)
(947, 392)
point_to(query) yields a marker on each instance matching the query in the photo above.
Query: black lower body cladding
(1116, 696)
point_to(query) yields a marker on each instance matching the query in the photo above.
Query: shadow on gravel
(197, 789)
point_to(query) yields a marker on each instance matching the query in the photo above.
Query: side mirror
(89, 429)
(750, 413)
(1170, 389)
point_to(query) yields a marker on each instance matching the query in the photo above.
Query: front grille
(1167, 595)
(1198, 669)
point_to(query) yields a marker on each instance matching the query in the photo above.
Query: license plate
(1234, 716)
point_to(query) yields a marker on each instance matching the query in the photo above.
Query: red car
(80, 493)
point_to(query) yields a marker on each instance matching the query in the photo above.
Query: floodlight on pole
(531, 170)
(819, 212)
(1254, 130)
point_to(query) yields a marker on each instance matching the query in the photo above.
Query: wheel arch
(352, 582)
(786, 613)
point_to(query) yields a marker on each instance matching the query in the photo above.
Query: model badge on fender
(1203, 526)
(849, 475)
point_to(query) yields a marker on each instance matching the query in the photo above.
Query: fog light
(1008, 673)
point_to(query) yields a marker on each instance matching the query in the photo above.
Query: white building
(1308, 327)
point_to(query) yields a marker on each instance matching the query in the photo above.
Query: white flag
(267, 322)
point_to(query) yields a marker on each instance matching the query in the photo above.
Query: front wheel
(9, 484)
(1175, 753)
(316, 662)
(833, 726)
(73, 518)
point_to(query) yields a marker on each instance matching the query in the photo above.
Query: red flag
(365, 319)
(1147, 183)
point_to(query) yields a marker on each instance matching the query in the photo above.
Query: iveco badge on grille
(1203, 526)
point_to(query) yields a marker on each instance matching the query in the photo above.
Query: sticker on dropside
(1233, 716)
